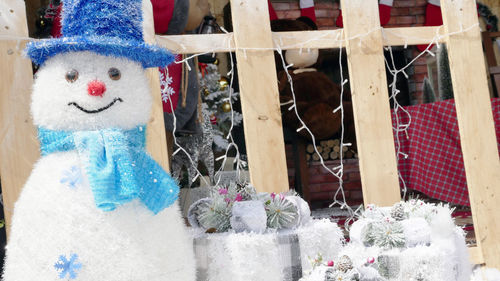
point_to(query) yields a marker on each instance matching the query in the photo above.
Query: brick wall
(405, 13)
(326, 12)
(323, 185)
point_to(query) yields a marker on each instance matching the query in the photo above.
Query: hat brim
(146, 54)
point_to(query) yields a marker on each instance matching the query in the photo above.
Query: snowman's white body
(57, 216)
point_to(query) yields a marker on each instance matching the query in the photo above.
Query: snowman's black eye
(72, 75)
(114, 73)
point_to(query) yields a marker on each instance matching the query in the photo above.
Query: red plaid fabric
(435, 164)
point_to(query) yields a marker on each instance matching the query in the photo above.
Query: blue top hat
(107, 27)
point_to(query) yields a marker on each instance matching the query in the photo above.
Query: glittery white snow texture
(256, 257)
(52, 93)
(52, 218)
(55, 217)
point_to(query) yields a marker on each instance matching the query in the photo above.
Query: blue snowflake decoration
(72, 177)
(68, 267)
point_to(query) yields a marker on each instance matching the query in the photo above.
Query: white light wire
(229, 136)
(399, 127)
(339, 174)
(179, 147)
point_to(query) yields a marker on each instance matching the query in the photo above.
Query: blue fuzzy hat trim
(106, 27)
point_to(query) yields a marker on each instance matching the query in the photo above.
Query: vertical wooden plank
(475, 255)
(475, 121)
(377, 156)
(304, 170)
(259, 96)
(18, 141)
(489, 49)
(156, 136)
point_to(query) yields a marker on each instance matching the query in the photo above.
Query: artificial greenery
(386, 234)
(215, 214)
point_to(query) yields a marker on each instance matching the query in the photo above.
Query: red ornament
(213, 119)
(370, 260)
(203, 68)
(330, 263)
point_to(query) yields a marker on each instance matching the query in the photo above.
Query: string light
(338, 171)
(180, 148)
(340, 189)
(399, 127)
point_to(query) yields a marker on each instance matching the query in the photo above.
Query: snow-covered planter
(410, 241)
(273, 255)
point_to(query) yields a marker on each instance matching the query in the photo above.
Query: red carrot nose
(96, 88)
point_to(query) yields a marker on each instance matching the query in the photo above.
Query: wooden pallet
(260, 104)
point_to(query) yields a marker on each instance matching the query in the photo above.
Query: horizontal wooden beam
(317, 39)
(199, 43)
(328, 39)
(493, 34)
(401, 36)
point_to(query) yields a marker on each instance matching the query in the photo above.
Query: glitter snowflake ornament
(68, 267)
(167, 91)
(72, 177)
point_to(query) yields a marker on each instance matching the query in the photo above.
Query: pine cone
(344, 264)
(398, 212)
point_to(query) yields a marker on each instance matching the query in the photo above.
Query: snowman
(96, 206)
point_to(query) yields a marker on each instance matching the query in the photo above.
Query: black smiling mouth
(97, 110)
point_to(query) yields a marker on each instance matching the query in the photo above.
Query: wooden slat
(489, 50)
(156, 137)
(475, 120)
(317, 39)
(495, 70)
(18, 141)
(422, 35)
(377, 156)
(475, 255)
(259, 96)
(328, 39)
(199, 43)
(494, 34)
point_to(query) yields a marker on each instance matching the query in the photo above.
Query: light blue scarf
(117, 166)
